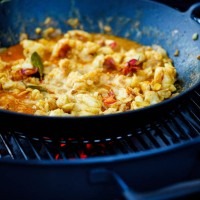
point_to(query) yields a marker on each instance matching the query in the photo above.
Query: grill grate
(177, 127)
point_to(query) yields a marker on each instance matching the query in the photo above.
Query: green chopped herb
(37, 62)
(40, 88)
(195, 36)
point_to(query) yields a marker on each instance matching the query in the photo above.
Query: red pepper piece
(109, 63)
(113, 45)
(110, 99)
(131, 66)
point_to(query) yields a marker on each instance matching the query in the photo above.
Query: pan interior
(145, 22)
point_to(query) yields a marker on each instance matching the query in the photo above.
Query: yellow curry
(81, 74)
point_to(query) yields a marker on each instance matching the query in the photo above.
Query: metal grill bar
(178, 126)
(4, 143)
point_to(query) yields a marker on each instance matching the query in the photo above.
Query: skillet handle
(190, 8)
(194, 12)
(182, 5)
(176, 190)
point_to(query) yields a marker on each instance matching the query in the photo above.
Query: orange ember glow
(57, 156)
(83, 155)
(62, 145)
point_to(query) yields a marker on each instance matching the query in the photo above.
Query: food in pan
(80, 74)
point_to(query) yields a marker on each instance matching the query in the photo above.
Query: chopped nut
(100, 24)
(68, 107)
(176, 53)
(47, 21)
(107, 28)
(73, 91)
(48, 32)
(38, 30)
(195, 36)
(73, 22)
(23, 36)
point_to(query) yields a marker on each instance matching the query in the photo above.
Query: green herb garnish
(37, 62)
(40, 88)
(195, 36)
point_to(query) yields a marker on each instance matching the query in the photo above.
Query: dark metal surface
(144, 21)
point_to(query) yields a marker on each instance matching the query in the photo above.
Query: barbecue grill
(158, 155)
(159, 160)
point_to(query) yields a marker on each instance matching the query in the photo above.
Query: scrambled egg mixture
(79, 74)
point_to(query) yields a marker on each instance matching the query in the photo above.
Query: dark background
(181, 5)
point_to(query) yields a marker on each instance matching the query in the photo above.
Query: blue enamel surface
(144, 21)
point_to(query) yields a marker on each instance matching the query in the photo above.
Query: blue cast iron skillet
(146, 22)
